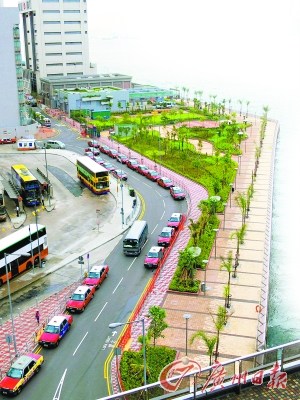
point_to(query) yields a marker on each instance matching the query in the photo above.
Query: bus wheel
(28, 266)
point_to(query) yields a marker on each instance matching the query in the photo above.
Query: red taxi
(154, 257)
(56, 329)
(96, 275)
(21, 371)
(166, 237)
(80, 298)
(176, 220)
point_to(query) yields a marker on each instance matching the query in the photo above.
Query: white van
(55, 144)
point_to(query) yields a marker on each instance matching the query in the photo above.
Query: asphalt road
(75, 370)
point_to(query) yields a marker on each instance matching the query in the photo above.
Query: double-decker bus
(93, 175)
(27, 184)
(22, 250)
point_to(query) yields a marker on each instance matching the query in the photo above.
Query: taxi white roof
(57, 320)
(81, 289)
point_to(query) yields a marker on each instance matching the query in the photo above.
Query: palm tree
(194, 229)
(239, 235)
(241, 106)
(247, 104)
(227, 265)
(219, 322)
(241, 201)
(209, 341)
(266, 110)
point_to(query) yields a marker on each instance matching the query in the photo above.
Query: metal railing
(236, 374)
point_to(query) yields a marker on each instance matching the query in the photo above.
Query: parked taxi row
(165, 241)
(95, 149)
(27, 366)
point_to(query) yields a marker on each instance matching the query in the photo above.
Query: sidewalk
(26, 328)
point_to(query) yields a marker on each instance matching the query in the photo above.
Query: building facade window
(73, 43)
(51, 22)
(71, 22)
(73, 32)
(55, 65)
(51, 11)
(74, 53)
(72, 11)
(74, 63)
(53, 54)
(53, 43)
(71, 1)
(52, 33)
(50, 1)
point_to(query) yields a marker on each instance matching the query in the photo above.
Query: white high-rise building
(13, 113)
(55, 38)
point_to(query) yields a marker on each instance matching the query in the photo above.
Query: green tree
(209, 341)
(157, 324)
(219, 322)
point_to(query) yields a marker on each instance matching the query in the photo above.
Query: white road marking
(163, 215)
(131, 264)
(132, 176)
(164, 203)
(59, 387)
(158, 193)
(146, 184)
(154, 228)
(117, 286)
(80, 344)
(100, 312)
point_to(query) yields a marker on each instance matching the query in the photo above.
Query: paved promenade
(245, 330)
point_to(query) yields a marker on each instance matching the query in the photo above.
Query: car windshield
(177, 190)
(15, 373)
(166, 180)
(52, 329)
(174, 219)
(165, 234)
(133, 162)
(152, 254)
(153, 173)
(94, 274)
(77, 297)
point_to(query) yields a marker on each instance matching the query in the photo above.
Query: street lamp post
(9, 297)
(225, 205)
(236, 169)
(216, 231)
(240, 163)
(231, 185)
(142, 320)
(186, 317)
(122, 200)
(205, 262)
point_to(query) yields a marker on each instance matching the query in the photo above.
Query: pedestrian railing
(185, 379)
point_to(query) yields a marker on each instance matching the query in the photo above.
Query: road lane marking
(131, 264)
(154, 228)
(164, 203)
(146, 184)
(163, 215)
(117, 286)
(80, 343)
(100, 312)
(59, 387)
(158, 193)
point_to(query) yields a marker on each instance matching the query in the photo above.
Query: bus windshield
(130, 243)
